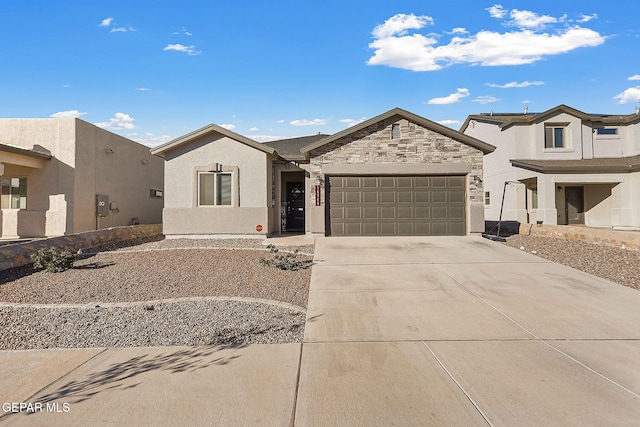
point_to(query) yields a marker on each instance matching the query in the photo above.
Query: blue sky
(153, 71)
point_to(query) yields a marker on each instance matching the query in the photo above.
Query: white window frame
(216, 189)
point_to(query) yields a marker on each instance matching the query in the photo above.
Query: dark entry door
(574, 197)
(295, 206)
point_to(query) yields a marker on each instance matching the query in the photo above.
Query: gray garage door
(397, 206)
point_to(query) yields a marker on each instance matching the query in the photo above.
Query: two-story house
(561, 166)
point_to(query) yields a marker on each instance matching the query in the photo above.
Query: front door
(295, 206)
(574, 197)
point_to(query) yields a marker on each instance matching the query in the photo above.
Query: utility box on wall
(102, 205)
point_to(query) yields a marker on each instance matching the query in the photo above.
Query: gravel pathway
(618, 265)
(151, 271)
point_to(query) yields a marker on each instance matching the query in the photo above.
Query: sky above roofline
(154, 71)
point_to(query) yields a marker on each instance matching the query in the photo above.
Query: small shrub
(53, 260)
(287, 261)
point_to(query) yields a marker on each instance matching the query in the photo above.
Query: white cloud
(395, 47)
(352, 122)
(587, 18)
(449, 122)
(121, 121)
(142, 89)
(634, 77)
(496, 11)
(304, 122)
(459, 30)
(149, 139)
(280, 121)
(68, 113)
(66, 85)
(511, 85)
(629, 96)
(398, 25)
(266, 138)
(254, 129)
(228, 126)
(106, 22)
(122, 29)
(189, 50)
(183, 31)
(528, 19)
(451, 99)
(486, 99)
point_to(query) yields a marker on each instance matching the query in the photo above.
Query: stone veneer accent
(599, 236)
(18, 254)
(417, 145)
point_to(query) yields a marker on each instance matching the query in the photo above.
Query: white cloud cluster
(109, 23)
(450, 99)
(449, 123)
(304, 122)
(634, 77)
(352, 122)
(149, 139)
(120, 121)
(266, 138)
(629, 96)
(486, 99)
(67, 114)
(228, 126)
(395, 46)
(511, 85)
(189, 50)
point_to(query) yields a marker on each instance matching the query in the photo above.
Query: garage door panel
(387, 197)
(397, 205)
(405, 197)
(387, 212)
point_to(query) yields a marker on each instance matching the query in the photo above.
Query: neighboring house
(52, 170)
(395, 174)
(562, 166)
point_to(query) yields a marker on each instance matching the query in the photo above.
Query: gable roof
(289, 148)
(510, 119)
(212, 128)
(398, 113)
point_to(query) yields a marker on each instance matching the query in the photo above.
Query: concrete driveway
(400, 331)
(464, 331)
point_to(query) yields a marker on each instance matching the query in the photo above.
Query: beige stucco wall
(417, 146)
(127, 175)
(61, 193)
(253, 188)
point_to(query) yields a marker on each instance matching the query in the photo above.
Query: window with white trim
(14, 193)
(214, 189)
(487, 198)
(555, 136)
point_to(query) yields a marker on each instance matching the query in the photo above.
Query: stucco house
(395, 174)
(52, 170)
(562, 166)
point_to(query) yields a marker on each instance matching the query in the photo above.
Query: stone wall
(373, 145)
(599, 236)
(18, 254)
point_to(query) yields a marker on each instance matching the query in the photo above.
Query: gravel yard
(152, 271)
(618, 265)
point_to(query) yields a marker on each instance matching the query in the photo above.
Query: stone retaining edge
(18, 254)
(158, 302)
(606, 237)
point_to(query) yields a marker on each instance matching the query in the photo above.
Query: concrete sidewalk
(412, 331)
